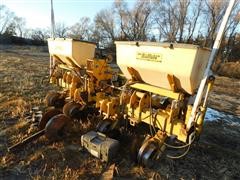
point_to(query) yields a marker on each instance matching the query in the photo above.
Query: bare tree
(231, 33)
(234, 50)
(213, 15)
(6, 19)
(10, 24)
(181, 11)
(20, 25)
(177, 19)
(135, 23)
(61, 29)
(122, 23)
(81, 29)
(166, 19)
(105, 26)
(39, 34)
(193, 19)
(10, 30)
(27, 33)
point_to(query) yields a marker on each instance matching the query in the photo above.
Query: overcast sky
(37, 12)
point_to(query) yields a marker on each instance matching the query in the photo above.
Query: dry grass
(225, 95)
(23, 85)
(230, 69)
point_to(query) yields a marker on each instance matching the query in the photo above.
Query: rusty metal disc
(72, 109)
(47, 116)
(55, 99)
(104, 126)
(55, 126)
(147, 153)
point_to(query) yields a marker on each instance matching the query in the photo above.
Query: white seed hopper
(155, 61)
(71, 52)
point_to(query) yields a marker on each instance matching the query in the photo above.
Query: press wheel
(73, 109)
(104, 126)
(147, 153)
(54, 127)
(47, 116)
(55, 99)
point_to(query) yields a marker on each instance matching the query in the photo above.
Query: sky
(38, 12)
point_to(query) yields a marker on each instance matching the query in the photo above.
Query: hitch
(27, 140)
(51, 125)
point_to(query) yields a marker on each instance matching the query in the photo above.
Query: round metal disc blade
(47, 116)
(72, 109)
(148, 157)
(146, 153)
(104, 126)
(55, 126)
(54, 99)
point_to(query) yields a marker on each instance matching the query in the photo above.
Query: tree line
(181, 21)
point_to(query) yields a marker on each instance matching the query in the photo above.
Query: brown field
(24, 84)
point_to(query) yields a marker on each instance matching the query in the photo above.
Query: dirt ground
(225, 95)
(24, 84)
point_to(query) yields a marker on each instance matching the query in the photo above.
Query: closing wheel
(55, 99)
(109, 58)
(54, 127)
(73, 109)
(47, 116)
(104, 126)
(147, 154)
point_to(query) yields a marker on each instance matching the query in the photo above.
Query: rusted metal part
(26, 141)
(55, 126)
(55, 99)
(151, 149)
(73, 109)
(104, 126)
(47, 116)
(51, 124)
(146, 154)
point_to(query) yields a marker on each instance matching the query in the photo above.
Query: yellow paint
(160, 59)
(199, 121)
(161, 121)
(99, 69)
(157, 90)
(71, 52)
(109, 107)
